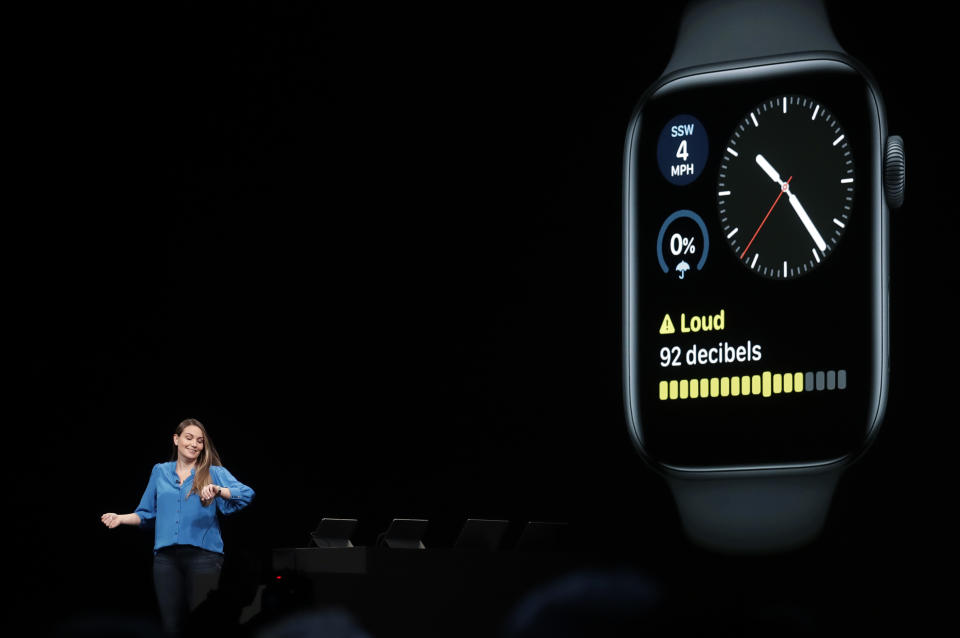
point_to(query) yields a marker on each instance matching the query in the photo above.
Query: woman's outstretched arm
(145, 512)
(112, 520)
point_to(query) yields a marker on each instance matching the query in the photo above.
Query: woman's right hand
(111, 520)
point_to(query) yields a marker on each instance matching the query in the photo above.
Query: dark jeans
(183, 576)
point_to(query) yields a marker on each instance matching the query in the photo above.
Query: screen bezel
(717, 76)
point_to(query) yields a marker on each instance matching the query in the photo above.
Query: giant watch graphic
(785, 188)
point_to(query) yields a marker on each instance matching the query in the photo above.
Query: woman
(177, 504)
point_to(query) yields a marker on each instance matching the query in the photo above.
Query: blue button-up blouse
(179, 520)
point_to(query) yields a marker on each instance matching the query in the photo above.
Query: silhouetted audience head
(329, 623)
(620, 603)
(587, 603)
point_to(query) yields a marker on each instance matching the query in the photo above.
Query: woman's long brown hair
(208, 456)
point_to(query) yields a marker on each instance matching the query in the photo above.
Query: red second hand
(782, 191)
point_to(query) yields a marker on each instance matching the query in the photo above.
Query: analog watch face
(785, 188)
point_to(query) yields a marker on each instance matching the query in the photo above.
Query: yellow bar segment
(684, 389)
(798, 382)
(704, 388)
(694, 389)
(663, 390)
(715, 387)
(755, 384)
(788, 382)
(766, 383)
(674, 390)
(735, 386)
(724, 386)
(777, 383)
(745, 385)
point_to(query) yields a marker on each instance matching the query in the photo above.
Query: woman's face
(189, 443)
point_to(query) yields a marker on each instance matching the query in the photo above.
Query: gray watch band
(721, 30)
(756, 511)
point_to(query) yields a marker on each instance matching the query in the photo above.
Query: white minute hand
(807, 222)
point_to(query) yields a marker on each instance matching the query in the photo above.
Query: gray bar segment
(820, 380)
(842, 379)
(808, 382)
(831, 379)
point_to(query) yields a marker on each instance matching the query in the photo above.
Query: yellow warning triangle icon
(666, 327)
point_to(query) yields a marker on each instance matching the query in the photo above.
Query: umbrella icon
(682, 267)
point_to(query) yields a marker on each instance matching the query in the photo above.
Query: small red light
(279, 577)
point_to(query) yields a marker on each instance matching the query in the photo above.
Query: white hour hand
(768, 169)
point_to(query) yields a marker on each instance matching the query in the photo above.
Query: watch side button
(894, 171)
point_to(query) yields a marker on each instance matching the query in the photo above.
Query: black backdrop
(377, 254)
